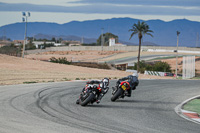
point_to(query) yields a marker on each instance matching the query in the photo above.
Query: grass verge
(196, 78)
(193, 105)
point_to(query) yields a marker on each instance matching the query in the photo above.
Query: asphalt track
(134, 59)
(51, 108)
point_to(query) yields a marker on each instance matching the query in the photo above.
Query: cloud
(143, 2)
(107, 8)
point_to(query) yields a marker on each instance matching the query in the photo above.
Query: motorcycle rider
(132, 80)
(103, 88)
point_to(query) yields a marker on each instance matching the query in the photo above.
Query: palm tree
(140, 29)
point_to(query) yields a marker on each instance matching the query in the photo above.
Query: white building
(58, 44)
(112, 43)
(37, 43)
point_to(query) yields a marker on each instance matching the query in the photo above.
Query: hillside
(164, 32)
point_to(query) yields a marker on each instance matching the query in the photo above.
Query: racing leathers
(102, 87)
(133, 82)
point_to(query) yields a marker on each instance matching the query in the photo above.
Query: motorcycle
(92, 93)
(121, 90)
(89, 95)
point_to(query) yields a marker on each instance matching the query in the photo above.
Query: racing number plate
(123, 87)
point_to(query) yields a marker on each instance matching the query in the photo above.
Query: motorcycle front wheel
(90, 97)
(116, 94)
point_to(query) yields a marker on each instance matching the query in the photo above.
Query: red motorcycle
(121, 90)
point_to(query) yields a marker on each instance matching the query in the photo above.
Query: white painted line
(186, 111)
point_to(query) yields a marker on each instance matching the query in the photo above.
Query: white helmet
(106, 81)
(135, 74)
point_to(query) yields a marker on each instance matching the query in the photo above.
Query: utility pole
(177, 52)
(197, 42)
(82, 40)
(4, 35)
(25, 19)
(102, 39)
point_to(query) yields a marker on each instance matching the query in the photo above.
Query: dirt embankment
(84, 56)
(15, 70)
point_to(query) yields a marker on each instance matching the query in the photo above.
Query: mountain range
(165, 33)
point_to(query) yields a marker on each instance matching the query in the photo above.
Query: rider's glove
(104, 91)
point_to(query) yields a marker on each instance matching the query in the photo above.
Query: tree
(60, 40)
(140, 29)
(30, 46)
(152, 66)
(53, 39)
(30, 39)
(106, 37)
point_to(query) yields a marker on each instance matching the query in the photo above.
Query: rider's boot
(99, 98)
(129, 93)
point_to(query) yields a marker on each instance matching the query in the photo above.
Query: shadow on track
(143, 101)
(134, 104)
(127, 107)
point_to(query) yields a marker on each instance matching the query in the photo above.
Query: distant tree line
(17, 50)
(53, 39)
(11, 50)
(90, 44)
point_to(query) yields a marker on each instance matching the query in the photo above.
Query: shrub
(162, 66)
(155, 66)
(66, 79)
(11, 50)
(62, 60)
(92, 65)
(30, 46)
(29, 82)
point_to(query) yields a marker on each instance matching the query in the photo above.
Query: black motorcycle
(120, 91)
(88, 95)
(93, 93)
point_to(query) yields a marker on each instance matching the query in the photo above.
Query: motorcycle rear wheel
(117, 94)
(87, 100)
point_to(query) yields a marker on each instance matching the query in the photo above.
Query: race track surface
(134, 59)
(51, 108)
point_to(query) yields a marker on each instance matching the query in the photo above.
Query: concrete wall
(106, 48)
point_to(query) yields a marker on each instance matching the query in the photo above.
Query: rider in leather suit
(133, 81)
(102, 87)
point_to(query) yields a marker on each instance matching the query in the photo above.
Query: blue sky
(63, 11)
